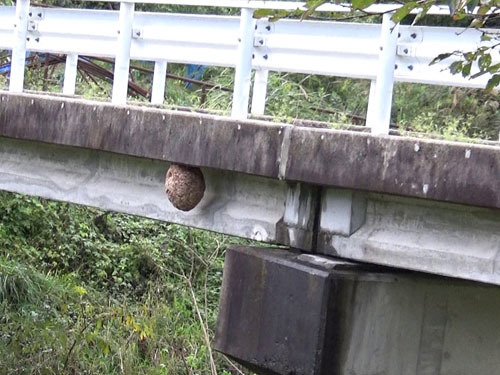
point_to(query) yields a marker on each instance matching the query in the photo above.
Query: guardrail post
(70, 73)
(371, 101)
(259, 92)
(379, 114)
(243, 71)
(122, 60)
(159, 78)
(18, 61)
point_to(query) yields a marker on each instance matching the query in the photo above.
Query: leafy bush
(86, 291)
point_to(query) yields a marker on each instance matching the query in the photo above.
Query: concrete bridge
(332, 198)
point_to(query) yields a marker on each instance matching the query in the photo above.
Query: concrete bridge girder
(246, 206)
(332, 192)
(411, 233)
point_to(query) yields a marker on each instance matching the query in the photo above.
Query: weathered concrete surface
(440, 238)
(179, 137)
(237, 204)
(438, 170)
(283, 313)
(297, 227)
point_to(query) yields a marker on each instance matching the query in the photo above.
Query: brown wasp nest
(184, 186)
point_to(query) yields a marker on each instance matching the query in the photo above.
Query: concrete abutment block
(288, 313)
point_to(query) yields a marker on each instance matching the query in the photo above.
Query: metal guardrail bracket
(36, 14)
(406, 50)
(411, 35)
(33, 37)
(137, 33)
(32, 26)
(261, 56)
(264, 27)
(259, 41)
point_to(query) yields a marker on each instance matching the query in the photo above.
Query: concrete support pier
(289, 313)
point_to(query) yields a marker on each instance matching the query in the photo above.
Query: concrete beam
(415, 167)
(146, 132)
(424, 168)
(284, 313)
(297, 227)
(343, 212)
(234, 203)
(439, 238)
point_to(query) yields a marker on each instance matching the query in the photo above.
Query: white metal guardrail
(381, 53)
(286, 5)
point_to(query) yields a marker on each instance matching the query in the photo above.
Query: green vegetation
(90, 292)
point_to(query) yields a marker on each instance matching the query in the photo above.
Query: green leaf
(456, 67)
(459, 16)
(315, 3)
(485, 37)
(423, 12)
(484, 62)
(479, 21)
(493, 82)
(471, 5)
(404, 11)
(466, 69)
(312, 5)
(469, 56)
(361, 4)
(279, 15)
(440, 57)
(261, 13)
(273, 15)
(483, 9)
(476, 23)
(494, 68)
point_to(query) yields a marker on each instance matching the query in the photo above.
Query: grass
(89, 292)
